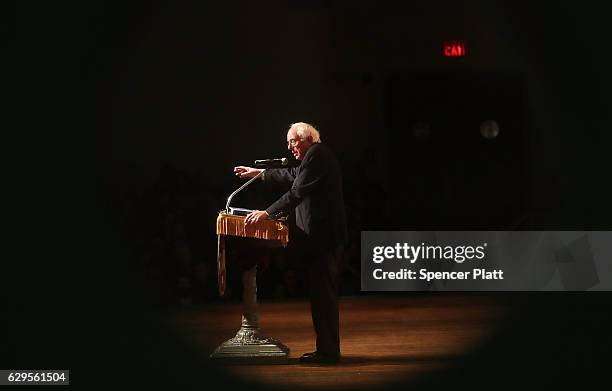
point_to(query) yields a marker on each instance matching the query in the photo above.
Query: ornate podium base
(250, 346)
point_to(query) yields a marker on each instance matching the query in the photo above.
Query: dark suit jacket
(316, 195)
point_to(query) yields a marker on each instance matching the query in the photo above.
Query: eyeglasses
(293, 142)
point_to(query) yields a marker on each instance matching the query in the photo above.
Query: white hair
(305, 130)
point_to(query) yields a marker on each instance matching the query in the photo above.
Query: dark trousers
(324, 274)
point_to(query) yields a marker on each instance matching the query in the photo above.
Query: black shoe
(319, 358)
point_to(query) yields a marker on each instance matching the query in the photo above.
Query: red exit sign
(454, 49)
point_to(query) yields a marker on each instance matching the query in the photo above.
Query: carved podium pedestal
(249, 345)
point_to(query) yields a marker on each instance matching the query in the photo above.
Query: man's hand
(246, 172)
(255, 216)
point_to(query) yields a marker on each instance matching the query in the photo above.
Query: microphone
(272, 162)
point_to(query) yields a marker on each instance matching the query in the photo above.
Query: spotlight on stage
(489, 129)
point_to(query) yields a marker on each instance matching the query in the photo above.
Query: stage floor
(384, 339)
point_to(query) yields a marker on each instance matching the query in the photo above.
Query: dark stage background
(133, 115)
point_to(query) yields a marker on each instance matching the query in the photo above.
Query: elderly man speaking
(316, 195)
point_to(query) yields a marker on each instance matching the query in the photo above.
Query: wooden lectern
(249, 344)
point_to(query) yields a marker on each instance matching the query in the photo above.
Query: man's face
(297, 147)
